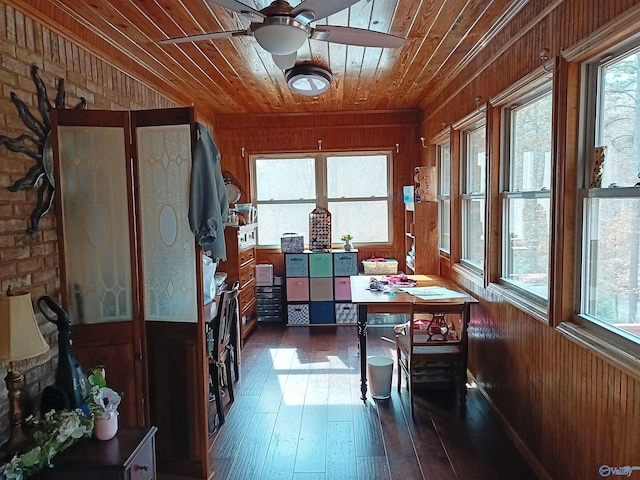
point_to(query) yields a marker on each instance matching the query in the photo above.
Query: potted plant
(103, 404)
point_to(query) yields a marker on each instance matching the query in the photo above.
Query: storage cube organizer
(292, 243)
(387, 267)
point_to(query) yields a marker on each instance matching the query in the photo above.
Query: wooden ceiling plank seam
(359, 17)
(50, 15)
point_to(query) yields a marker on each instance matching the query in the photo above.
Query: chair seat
(431, 348)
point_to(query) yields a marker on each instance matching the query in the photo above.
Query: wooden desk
(129, 455)
(379, 302)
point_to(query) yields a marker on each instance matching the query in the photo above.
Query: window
(355, 187)
(527, 195)
(611, 214)
(444, 196)
(473, 196)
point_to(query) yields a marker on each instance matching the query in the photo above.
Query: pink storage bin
(297, 289)
(342, 288)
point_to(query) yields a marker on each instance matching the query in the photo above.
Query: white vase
(105, 425)
(347, 246)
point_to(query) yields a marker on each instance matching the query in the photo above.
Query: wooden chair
(222, 352)
(434, 351)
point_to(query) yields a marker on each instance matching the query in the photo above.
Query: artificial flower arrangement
(52, 434)
(59, 430)
(346, 237)
(103, 402)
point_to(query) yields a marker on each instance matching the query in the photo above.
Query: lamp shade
(21, 342)
(280, 39)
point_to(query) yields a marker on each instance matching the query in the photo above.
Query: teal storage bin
(345, 264)
(296, 265)
(320, 265)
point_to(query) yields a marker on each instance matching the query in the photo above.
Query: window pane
(527, 250)
(357, 176)
(476, 160)
(611, 262)
(285, 179)
(444, 161)
(276, 219)
(474, 231)
(366, 221)
(619, 122)
(530, 160)
(445, 224)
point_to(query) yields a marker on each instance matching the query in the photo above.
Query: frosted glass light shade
(21, 342)
(308, 80)
(280, 39)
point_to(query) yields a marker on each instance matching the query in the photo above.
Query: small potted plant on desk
(103, 404)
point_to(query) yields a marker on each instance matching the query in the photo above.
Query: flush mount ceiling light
(309, 80)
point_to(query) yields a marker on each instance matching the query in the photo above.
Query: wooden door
(99, 275)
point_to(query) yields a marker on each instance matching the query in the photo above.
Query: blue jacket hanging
(208, 204)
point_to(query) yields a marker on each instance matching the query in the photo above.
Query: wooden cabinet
(421, 238)
(130, 455)
(240, 267)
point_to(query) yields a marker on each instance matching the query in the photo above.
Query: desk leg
(362, 344)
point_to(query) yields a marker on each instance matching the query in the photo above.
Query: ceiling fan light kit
(282, 36)
(309, 80)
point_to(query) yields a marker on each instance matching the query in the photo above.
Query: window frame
(466, 198)
(321, 177)
(613, 340)
(540, 88)
(442, 198)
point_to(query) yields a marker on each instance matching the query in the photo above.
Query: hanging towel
(208, 204)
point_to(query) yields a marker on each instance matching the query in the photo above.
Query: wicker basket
(388, 267)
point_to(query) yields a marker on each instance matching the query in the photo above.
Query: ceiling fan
(281, 29)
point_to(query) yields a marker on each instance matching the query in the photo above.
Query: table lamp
(21, 347)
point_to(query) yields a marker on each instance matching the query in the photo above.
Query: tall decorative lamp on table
(21, 347)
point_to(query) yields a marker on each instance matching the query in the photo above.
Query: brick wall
(30, 262)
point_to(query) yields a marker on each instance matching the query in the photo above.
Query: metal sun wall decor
(39, 147)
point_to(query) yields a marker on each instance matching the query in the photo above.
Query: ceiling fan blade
(320, 8)
(356, 36)
(238, 7)
(285, 61)
(205, 36)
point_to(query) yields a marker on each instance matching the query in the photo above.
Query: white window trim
(322, 199)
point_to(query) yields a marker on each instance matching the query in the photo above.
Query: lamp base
(18, 442)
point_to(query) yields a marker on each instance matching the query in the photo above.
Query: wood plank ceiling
(236, 75)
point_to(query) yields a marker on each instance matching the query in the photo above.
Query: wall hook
(319, 144)
(242, 152)
(478, 101)
(422, 142)
(397, 148)
(544, 56)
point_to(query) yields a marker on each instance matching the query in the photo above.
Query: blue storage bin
(321, 312)
(296, 264)
(345, 264)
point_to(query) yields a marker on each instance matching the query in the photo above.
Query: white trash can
(380, 373)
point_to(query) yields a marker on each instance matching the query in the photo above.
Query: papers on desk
(433, 293)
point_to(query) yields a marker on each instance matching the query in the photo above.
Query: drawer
(321, 313)
(346, 313)
(320, 265)
(143, 464)
(246, 255)
(296, 264)
(247, 273)
(246, 237)
(297, 289)
(321, 289)
(345, 264)
(342, 288)
(247, 295)
(298, 314)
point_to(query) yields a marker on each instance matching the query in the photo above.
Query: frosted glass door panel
(168, 245)
(95, 218)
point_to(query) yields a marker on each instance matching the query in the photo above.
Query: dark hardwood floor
(297, 415)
